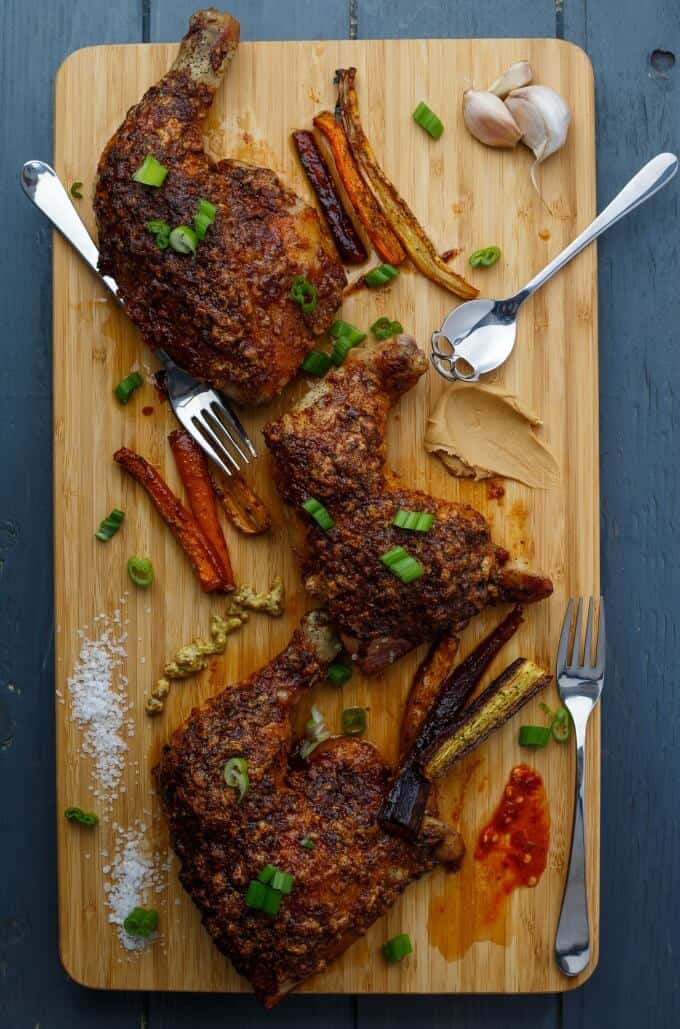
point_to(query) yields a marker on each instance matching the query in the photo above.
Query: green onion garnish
(428, 120)
(236, 775)
(318, 513)
(338, 674)
(207, 209)
(316, 363)
(485, 257)
(307, 843)
(255, 895)
(282, 881)
(267, 874)
(315, 732)
(141, 922)
(204, 217)
(354, 721)
(76, 190)
(151, 172)
(385, 329)
(126, 388)
(265, 892)
(161, 230)
(303, 293)
(341, 350)
(397, 948)
(380, 276)
(183, 240)
(346, 331)
(140, 571)
(272, 902)
(416, 521)
(110, 526)
(533, 736)
(561, 725)
(403, 565)
(76, 814)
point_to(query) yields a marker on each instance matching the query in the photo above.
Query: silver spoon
(478, 336)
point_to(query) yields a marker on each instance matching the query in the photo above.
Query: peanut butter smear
(480, 431)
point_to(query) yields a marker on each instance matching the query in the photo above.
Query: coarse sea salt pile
(136, 873)
(99, 703)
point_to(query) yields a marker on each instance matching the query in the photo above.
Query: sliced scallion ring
(415, 521)
(380, 276)
(318, 512)
(428, 120)
(110, 526)
(183, 240)
(140, 571)
(151, 172)
(236, 775)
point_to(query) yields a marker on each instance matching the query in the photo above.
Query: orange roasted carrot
(429, 676)
(193, 471)
(183, 525)
(373, 220)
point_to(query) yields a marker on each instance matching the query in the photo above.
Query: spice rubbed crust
(354, 871)
(225, 315)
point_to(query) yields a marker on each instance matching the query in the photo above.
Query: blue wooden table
(632, 45)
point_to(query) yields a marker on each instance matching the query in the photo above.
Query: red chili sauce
(514, 844)
(147, 410)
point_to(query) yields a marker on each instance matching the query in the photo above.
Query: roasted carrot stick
(371, 217)
(183, 525)
(193, 470)
(429, 676)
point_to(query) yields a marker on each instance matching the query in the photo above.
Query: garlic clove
(489, 120)
(543, 118)
(517, 75)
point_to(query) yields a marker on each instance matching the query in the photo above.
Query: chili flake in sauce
(514, 844)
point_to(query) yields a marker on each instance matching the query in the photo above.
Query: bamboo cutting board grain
(467, 196)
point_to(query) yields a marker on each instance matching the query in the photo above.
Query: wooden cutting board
(467, 196)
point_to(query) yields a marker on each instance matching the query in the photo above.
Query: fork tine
(218, 414)
(564, 639)
(601, 642)
(588, 645)
(211, 443)
(228, 415)
(576, 649)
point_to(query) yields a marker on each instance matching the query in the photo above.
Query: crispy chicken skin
(355, 871)
(331, 446)
(226, 314)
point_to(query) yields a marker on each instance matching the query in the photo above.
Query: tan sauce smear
(483, 431)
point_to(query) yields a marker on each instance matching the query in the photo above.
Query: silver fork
(580, 686)
(204, 412)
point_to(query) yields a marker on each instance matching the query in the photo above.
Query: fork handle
(572, 943)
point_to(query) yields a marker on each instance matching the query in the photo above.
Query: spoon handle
(645, 184)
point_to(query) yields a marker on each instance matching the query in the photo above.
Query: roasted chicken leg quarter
(331, 447)
(348, 872)
(225, 314)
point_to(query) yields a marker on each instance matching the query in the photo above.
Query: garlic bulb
(517, 75)
(543, 118)
(489, 120)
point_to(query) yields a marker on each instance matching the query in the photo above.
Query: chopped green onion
(236, 775)
(127, 386)
(533, 736)
(316, 363)
(151, 172)
(402, 564)
(385, 329)
(428, 120)
(140, 571)
(485, 257)
(141, 922)
(183, 240)
(346, 331)
(161, 230)
(272, 902)
(304, 293)
(204, 217)
(561, 726)
(76, 190)
(207, 209)
(416, 521)
(354, 721)
(76, 814)
(307, 843)
(380, 276)
(318, 513)
(397, 948)
(341, 350)
(315, 732)
(282, 881)
(267, 874)
(110, 526)
(338, 674)
(255, 895)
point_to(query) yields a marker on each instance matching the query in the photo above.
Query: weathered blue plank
(260, 19)
(462, 1012)
(242, 1011)
(404, 19)
(638, 108)
(35, 990)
